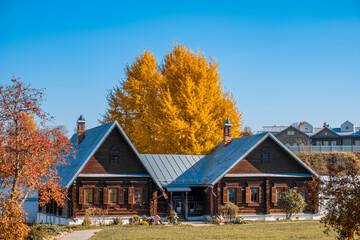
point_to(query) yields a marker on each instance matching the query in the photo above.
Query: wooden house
(109, 173)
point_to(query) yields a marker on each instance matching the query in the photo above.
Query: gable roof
(87, 148)
(223, 159)
(323, 130)
(293, 128)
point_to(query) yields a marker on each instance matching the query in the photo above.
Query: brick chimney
(227, 132)
(80, 129)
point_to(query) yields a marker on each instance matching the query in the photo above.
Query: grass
(256, 230)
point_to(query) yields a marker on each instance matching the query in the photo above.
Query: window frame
(141, 195)
(257, 195)
(92, 195)
(116, 195)
(234, 193)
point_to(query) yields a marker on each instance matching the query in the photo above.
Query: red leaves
(29, 155)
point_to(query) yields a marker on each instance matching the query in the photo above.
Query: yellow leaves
(176, 108)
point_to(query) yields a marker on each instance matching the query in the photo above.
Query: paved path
(81, 235)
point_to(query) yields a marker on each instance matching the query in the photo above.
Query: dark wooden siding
(127, 163)
(280, 161)
(266, 205)
(123, 207)
(298, 138)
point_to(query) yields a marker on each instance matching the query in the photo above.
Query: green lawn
(257, 230)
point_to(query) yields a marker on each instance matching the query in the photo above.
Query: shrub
(39, 231)
(229, 211)
(134, 220)
(291, 202)
(35, 233)
(145, 218)
(94, 216)
(144, 223)
(173, 218)
(117, 221)
(217, 220)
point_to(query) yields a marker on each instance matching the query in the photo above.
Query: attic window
(265, 156)
(347, 127)
(291, 133)
(306, 129)
(325, 133)
(114, 158)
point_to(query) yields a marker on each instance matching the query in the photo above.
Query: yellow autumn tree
(178, 107)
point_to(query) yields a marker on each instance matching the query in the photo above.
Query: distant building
(345, 135)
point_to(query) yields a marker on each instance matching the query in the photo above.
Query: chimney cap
(227, 122)
(81, 119)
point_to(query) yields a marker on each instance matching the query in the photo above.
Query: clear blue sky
(284, 61)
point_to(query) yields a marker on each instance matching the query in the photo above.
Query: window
(347, 127)
(326, 143)
(306, 129)
(279, 191)
(291, 133)
(302, 192)
(114, 158)
(89, 193)
(357, 143)
(113, 195)
(325, 133)
(231, 195)
(138, 195)
(265, 157)
(333, 143)
(318, 143)
(254, 195)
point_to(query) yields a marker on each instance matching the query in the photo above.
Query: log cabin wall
(239, 191)
(119, 196)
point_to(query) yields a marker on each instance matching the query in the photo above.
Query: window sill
(253, 204)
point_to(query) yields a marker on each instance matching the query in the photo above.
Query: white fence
(324, 149)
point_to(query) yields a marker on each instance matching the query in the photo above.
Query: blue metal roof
(173, 169)
(84, 151)
(223, 158)
(178, 189)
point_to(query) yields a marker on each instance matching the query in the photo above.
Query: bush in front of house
(228, 211)
(291, 202)
(94, 216)
(173, 218)
(134, 220)
(117, 221)
(38, 231)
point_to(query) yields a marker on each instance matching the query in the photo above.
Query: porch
(186, 202)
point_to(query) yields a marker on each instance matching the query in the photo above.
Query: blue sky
(284, 61)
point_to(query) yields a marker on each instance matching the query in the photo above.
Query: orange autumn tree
(178, 107)
(29, 156)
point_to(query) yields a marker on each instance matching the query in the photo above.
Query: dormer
(306, 128)
(347, 127)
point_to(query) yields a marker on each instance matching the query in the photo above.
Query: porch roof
(178, 189)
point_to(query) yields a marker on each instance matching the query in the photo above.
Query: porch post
(267, 196)
(211, 202)
(186, 206)
(182, 205)
(171, 201)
